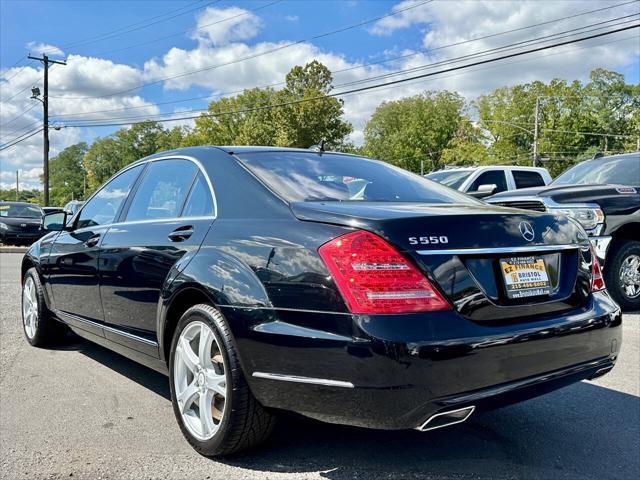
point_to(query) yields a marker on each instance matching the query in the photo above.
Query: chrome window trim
(490, 250)
(309, 380)
(108, 328)
(144, 162)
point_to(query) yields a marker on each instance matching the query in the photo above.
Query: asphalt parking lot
(85, 412)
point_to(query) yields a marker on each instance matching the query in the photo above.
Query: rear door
(527, 179)
(73, 261)
(167, 218)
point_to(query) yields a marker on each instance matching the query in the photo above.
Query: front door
(73, 262)
(168, 217)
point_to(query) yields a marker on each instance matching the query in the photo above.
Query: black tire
(619, 252)
(48, 331)
(245, 423)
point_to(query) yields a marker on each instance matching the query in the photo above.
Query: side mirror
(485, 190)
(54, 221)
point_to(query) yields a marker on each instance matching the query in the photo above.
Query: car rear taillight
(373, 277)
(597, 281)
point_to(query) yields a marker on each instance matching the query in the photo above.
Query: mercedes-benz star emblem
(527, 231)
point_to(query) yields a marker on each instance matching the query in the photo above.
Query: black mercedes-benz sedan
(331, 285)
(20, 222)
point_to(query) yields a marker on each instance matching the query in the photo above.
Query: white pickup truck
(482, 182)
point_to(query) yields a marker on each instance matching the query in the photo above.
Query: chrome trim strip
(107, 328)
(475, 251)
(144, 161)
(423, 427)
(284, 309)
(297, 379)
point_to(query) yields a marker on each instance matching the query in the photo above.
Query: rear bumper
(397, 371)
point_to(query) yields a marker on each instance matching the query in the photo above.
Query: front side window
(302, 176)
(103, 207)
(199, 203)
(162, 190)
(492, 177)
(527, 178)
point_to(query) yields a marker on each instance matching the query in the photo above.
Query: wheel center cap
(201, 379)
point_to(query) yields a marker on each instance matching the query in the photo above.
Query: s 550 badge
(430, 240)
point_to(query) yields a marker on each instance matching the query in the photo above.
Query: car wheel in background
(39, 327)
(215, 409)
(622, 274)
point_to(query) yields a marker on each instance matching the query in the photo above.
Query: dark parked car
(20, 222)
(259, 281)
(603, 195)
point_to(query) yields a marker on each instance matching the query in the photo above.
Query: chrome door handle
(93, 241)
(181, 233)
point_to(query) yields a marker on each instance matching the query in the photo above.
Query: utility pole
(45, 102)
(17, 192)
(535, 133)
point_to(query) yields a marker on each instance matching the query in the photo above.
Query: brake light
(373, 277)
(597, 281)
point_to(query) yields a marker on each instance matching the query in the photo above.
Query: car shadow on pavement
(582, 431)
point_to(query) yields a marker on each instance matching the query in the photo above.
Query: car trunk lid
(472, 252)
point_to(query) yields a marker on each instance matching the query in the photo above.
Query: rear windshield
(9, 210)
(302, 176)
(451, 179)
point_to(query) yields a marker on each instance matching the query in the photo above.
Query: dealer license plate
(525, 277)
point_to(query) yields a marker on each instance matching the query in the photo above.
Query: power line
(266, 52)
(367, 80)
(129, 28)
(17, 141)
(371, 87)
(21, 115)
(431, 65)
(182, 32)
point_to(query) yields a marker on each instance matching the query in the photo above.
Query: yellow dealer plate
(525, 277)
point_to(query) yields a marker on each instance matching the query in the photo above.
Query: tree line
(425, 131)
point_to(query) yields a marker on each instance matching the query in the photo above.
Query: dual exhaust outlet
(446, 418)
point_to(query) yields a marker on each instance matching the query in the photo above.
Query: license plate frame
(525, 277)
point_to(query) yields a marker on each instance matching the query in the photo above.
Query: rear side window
(527, 178)
(302, 176)
(199, 202)
(492, 177)
(162, 190)
(102, 208)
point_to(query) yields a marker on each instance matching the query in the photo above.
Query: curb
(13, 249)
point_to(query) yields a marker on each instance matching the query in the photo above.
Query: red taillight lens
(597, 281)
(373, 277)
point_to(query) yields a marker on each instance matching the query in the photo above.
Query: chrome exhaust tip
(601, 372)
(447, 418)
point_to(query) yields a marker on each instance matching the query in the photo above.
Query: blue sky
(205, 33)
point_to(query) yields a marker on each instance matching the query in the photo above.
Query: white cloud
(441, 23)
(81, 77)
(220, 26)
(292, 18)
(36, 47)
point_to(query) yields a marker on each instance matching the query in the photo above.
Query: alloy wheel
(200, 380)
(630, 276)
(30, 308)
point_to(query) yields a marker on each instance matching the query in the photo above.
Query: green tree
(606, 104)
(406, 131)
(250, 118)
(108, 155)
(66, 174)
